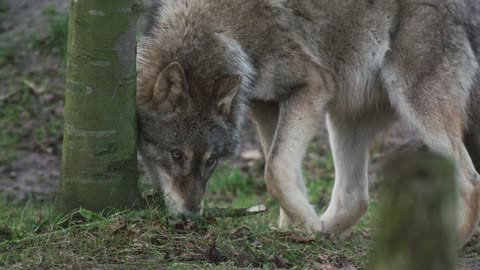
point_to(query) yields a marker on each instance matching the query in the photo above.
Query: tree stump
(417, 223)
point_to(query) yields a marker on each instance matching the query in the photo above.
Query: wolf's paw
(339, 223)
(341, 216)
(328, 224)
(468, 214)
(313, 226)
(308, 225)
(284, 222)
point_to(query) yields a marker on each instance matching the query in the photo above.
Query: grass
(150, 239)
(32, 88)
(55, 41)
(11, 116)
(31, 237)
(26, 114)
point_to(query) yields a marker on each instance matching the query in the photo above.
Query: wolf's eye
(176, 155)
(211, 160)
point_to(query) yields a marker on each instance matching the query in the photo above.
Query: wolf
(361, 64)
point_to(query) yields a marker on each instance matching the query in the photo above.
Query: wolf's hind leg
(265, 116)
(443, 134)
(429, 76)
(350, 138)
(440, 120)
(300, 116)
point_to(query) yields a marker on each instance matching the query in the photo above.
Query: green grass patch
(32, 237)
(55, 41)
(232, 188)
(150, 239)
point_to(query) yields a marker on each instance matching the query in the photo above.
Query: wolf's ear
(226, 90)
(171, 87)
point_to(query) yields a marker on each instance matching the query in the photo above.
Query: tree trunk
(99, 163)
(417, 229)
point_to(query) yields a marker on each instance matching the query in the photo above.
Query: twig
(229, 212)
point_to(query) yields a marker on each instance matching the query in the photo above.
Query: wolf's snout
(189, 209)
(184, 205)
(194, 206)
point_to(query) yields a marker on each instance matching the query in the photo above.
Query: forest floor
(33, 35)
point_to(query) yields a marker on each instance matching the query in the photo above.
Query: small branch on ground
(232, 212)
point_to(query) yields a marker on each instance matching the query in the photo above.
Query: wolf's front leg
(350, 137)
(299, 118)
(265, 116)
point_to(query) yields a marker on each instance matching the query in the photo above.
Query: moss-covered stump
(417, 229)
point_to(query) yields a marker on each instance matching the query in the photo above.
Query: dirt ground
(32, 167)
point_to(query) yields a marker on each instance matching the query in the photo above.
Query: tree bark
(417, 229)
(99, 162)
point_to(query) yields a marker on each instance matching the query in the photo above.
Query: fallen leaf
(184, 225)
(348, 266)
(257, 243)
(322, 266)
(207, 236)
(322, 258)
(37, 90)
(190, 244)
(117, 226)
(267, 240)
(279, 261)
(38, 217)
(240, 232)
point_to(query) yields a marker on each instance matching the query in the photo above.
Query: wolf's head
(185, 127)
(192, 79)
